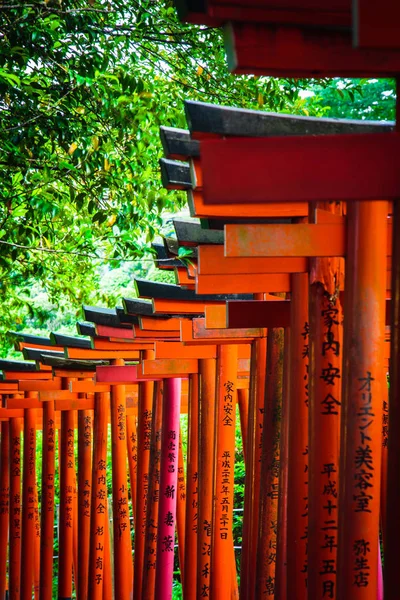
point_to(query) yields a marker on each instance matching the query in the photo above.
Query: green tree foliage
(84, 87)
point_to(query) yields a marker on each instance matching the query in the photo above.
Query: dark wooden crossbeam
(138, 307)
(124, 318)
(86, 329)
(36, 353)
(167, 291)
(17, 365)
(70, 364)
(204, 118)
(175, 175)
(28, 338)
(104, 316)
(177, 143)
(165, 261)
(59, 339)
(190, 233)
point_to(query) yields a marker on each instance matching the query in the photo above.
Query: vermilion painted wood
(22, 345)
(192, 493)
(12, 403)
(361, 438)
(182, 278)
(45, 396)
(146, 390)
(212, 261)
(101, 344)
(8, 387)
(168, 488)
(375, 24)
(16, 375)
(207, 399)
(298, 435)
(28, 503)
(131, 430)
(74, 374)
(36, 572)
(152, 493)
(270, 459)
(245, 284)
(169, 350)
(88, 386)
(306, 239)
(181, 510)
(38, 386)
(303, 52)
(123, 573)
(80, 353)
(200, 332)
(140, 335)
(15, 515)
(258, 313)
(47, 501)
(325, 373)
(85, 446)
(188, 307)
(107, 577)
(281, 542)
(7, 413)
(67, 483)
(5, 503)
(215, 317)
(292, 175)
(246, 210)
(253, 467)
(105, 331)
(164, 367)
(225, 419)
(99, 516)
(150, 324)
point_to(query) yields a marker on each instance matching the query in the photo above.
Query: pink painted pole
(168, 487)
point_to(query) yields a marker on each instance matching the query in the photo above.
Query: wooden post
(144, 431)
(99, 515)
(150, 562)
(391, 527)
(67, 482)
(123, 574)
(243, 402)
(168, 487)
(297, 519)
(85, 425)
(207, 387)
(107, 568)
(267, 541)
(281, 542)
(361, 430)
(28, 501)
(4, 503)
(47, 507)
(15, 509)
(258, 363)
(224, 462)
(192, 492)
(131, 440)
(36, 571)
(180, 510)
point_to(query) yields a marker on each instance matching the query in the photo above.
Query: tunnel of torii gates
(288, 308)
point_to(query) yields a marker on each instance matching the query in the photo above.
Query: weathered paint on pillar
(207, 387)
(361, 430)
(267, 543)
(168, 487)
(225, 420)
(192, 491)
(85, 448)
(297, 510)
(15, 509)
(47, 507)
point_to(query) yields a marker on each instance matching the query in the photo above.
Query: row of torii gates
(289, 307)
